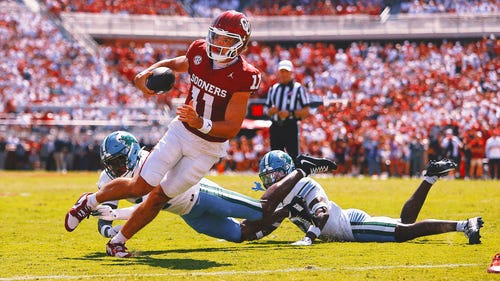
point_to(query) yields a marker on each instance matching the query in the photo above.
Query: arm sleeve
(125, 213)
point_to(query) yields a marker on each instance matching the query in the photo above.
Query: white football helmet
(231, 24)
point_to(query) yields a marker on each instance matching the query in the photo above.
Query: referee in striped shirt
(287, 102)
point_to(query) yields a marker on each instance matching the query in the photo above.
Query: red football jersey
(211, 89)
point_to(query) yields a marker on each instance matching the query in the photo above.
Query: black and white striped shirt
(286, 97)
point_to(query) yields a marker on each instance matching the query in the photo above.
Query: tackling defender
(321, 218)
(206, 207)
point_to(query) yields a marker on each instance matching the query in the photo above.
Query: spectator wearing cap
(287, 103)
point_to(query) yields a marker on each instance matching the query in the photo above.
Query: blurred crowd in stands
(389, 107)
(209, 8)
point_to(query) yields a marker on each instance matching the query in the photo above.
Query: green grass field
(35, 246)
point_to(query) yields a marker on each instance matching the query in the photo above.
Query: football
(162, 80)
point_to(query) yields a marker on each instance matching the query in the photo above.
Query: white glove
(105, 212)
(306, 241)
(108, 231)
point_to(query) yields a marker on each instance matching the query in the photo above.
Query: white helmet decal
(245, 24)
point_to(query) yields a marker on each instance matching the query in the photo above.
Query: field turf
(35, 246)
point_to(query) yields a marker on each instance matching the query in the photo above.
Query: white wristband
(207, 126)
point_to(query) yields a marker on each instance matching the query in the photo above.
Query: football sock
(92, 201)
(431, 180)
(118, 238)
(461, 225)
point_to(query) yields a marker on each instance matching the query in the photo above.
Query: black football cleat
(472, 230)
(314, 165)
(440, 168)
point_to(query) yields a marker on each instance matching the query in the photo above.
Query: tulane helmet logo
(127, 139)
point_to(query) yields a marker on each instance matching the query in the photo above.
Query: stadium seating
(397, 93)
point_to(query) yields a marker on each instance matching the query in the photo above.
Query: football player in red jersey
(221, 84)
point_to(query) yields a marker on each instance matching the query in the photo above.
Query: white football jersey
(338, 226)
(180, 205)
(105, 179)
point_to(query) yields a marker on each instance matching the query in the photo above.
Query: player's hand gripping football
(140, 81)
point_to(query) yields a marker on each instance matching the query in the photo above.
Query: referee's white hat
(286, 65)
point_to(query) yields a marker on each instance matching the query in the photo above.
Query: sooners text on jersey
(211, 89)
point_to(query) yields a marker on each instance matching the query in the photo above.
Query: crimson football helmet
(230, 24)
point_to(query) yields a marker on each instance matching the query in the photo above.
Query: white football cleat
(306, 241)
(77, 213)
(117, 250)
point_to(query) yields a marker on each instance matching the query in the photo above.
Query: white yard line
(222, 273)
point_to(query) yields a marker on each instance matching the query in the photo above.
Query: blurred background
(389, 80)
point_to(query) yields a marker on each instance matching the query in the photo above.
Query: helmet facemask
(268, 178)
(116, 165)
(219, 52)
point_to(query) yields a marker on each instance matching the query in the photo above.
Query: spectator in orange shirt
(477, 147)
